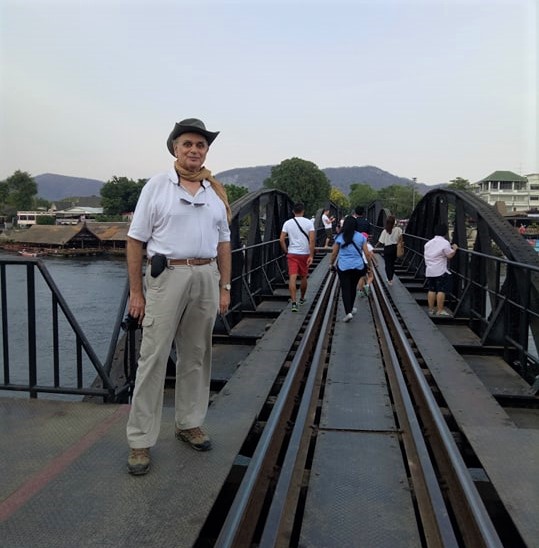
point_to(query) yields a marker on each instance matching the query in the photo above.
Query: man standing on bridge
(299, 253)
(437, 251)
(182, 216)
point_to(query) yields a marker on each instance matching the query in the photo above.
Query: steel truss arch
(496, 272)
(258, 263)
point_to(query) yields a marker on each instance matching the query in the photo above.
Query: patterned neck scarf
(205, 174)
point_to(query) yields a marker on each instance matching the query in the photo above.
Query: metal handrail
(472, 298)
(244, 289)
(58, 304)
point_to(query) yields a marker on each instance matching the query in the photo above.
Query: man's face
(191, 150)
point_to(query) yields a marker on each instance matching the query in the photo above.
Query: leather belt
(190, 262)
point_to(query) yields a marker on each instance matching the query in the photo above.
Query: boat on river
(25, 253)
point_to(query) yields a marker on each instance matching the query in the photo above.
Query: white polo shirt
(436, 252)
(298, 243)
(177, 224)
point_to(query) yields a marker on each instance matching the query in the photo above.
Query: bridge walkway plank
(358, 492)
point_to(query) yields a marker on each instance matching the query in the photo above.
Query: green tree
(4, 193)
(361, 194)
(302, 181)
(459, 184)
(235, 192)
(46, 220)
(120, 195)
(41, 203)
(21, 190)
(338, 197)
(398, 199)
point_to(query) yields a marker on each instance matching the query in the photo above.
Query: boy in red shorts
(299, 252)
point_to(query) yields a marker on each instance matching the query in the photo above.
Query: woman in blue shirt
(347, 251)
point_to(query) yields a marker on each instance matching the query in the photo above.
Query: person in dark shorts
(327, 221)
(436, 253)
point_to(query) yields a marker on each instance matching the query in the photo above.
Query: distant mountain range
(340, 177)
(54, 187)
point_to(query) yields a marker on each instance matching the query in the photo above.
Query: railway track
(263, 502)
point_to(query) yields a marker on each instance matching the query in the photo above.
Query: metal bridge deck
(63, 479)
(365, 500)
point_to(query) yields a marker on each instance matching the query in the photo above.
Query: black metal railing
(59, 318)
(498, 296)
(258, 268)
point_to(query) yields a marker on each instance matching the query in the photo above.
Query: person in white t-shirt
(299, 252)
(436, 253)
(389, 238)
(327, 221)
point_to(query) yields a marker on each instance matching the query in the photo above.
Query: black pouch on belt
(158, 264)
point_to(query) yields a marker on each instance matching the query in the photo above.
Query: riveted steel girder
(496, 272)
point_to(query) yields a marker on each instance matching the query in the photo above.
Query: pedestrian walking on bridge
(347, 255)
(389, 238)
(299, 252)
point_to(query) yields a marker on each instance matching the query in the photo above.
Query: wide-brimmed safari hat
(190, 125)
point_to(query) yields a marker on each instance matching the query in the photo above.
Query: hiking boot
(294, 306)
(195, 437)
(138, 462)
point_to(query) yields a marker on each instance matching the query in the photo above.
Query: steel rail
(435, 518)
(232, 525)
(466, 503)
(295, 458)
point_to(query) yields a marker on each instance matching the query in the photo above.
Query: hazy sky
(426, 89)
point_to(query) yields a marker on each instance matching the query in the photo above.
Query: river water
(92, 288)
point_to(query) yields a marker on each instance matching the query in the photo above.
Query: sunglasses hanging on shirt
(194, 203)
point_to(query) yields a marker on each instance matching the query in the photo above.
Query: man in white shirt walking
(437, 252)
(299, 252)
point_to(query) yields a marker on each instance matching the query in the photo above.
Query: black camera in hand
(130, 323)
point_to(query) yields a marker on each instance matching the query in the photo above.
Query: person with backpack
(362, 224)
(299, 252)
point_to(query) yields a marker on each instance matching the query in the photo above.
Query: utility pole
(414, 179)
